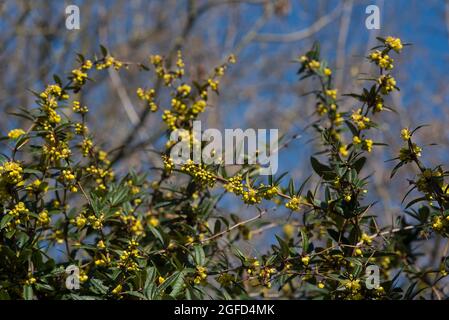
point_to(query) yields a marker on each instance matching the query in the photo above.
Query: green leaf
(27, 292)
(322, 170)
(199, 256)
(6, 218)
(104, 51)
(150, 277)
(305, 240)
(414, 201)
(177, 285)
(157, 234)
(359, 163)
(98, 286)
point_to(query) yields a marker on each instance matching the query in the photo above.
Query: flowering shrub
(136, 238)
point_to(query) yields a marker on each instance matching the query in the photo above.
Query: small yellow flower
(366, 238)
(117, 289)
(356, 140)
(314, 64)
(343, 150)
(289, 230)
(406, 134)
(368, 145)
(153, 221)
(327, 71)
(332, 93)
(305, 260)
(184, 90)
(101, 245)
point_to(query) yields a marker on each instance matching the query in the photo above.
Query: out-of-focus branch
(342, 37)
(301, 34)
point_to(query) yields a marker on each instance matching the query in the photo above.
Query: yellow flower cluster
(201, 274)
(19, 209)
(127, 258)
(78, 109)
(108, 62)
(321, 109)
(81, 129)
(406, 134)
(251, 196)
(79, 76)
(265, 275)
(15, 133)
(382, 59)
(394, 43)
(268, 192)
(314, 65)
(379, 104)
(20, 213)
(387, 83)
(198, 107)
(366, 239)
(88, 219)
(11, 172)
(184, 90)
(168, 76)
(199, 173)
(170, 119)
(101, 176)
(53, 90)
(87, 65)
(253, 266)
(360, 120)
(367, 145)
(148, 96)
(331, 93)
(235, 184)
(69, 178)
(429, 179)
(56, 151)
(102, 260)
(294, 203)
(86, 146)
(405, 154)
(353, 287)
(30, 280)
(440, 224)
(50, 97)
(169, 165)
(44, 218)
(133, 224)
